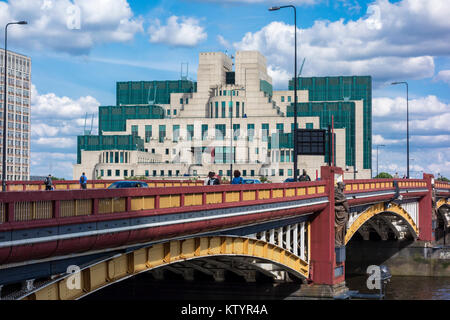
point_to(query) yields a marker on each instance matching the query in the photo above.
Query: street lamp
(379, 145)
(407, 127)
(295, 85)
(230, 110)
(5, 111)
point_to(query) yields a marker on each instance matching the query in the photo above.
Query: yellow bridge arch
(118, 268)
(441, 202)
(378, 209)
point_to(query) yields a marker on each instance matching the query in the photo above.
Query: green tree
(383, 175)
(441, 178)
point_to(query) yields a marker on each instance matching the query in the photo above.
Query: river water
(145, 287)
(406, 288)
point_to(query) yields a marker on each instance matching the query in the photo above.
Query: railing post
(426, 212)
(95, 206)
(56, 209)
(128, 204)
(10, 211)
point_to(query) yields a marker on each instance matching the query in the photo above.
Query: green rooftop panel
(113, 118)
(110, 142)
(151, 92)
(344, 88)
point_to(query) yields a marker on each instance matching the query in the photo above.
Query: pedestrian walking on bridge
(83, 181)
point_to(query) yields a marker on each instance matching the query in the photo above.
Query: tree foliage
(383, 175)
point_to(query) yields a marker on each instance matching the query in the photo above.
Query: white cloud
(378, 139)
(73, 27)
(55, 123)
(443, 75)
(51, 106)
(186, 33)
(297, 2)
(397, 107)
(392, 41)
(223, 42)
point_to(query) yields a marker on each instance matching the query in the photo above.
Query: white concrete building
(19, 114)
(196, 133)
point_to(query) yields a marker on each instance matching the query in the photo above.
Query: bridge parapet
(92, 184)
(442, 188)
(368, 185)
(32, 206)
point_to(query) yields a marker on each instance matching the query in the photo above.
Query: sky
(81, 48)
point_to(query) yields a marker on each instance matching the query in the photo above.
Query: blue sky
(76, 62)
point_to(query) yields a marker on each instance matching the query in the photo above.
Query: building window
(280, 127)
(217, 109)
(162, 173)
(309, 125)
(181, 100)
(102, 172)
(187, 101)
(170, 173)
(289, 172)
(167, 151)
(174, 112)
(265, 131)
(190, 132)
(236, 131)
(154, 173)
(125, 173)
(177, 173)
(153, 150)
(117, 173)
(281, 172)
(175, 132)
(134, 130)
(204, 131)
(221, 173)
(250, 131)
(223, 109)
(168, 112)
(220, 131)
(282, 98)
(146, 173)
(282, 156)
(162, 133)
(148, 133)
(252, 173)
(244, 173)
(289, 98)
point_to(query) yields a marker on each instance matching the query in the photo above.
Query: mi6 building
(229, 119)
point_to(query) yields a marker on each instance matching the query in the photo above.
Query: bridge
(68, 243)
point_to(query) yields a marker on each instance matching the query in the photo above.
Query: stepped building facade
(229, 119)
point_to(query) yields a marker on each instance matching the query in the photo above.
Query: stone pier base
(320, 291)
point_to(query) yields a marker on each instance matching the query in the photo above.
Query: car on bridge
(289, 180)
(251, 181)
(128, 184)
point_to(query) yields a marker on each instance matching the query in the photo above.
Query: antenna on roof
(301, 68)
(92, 123)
